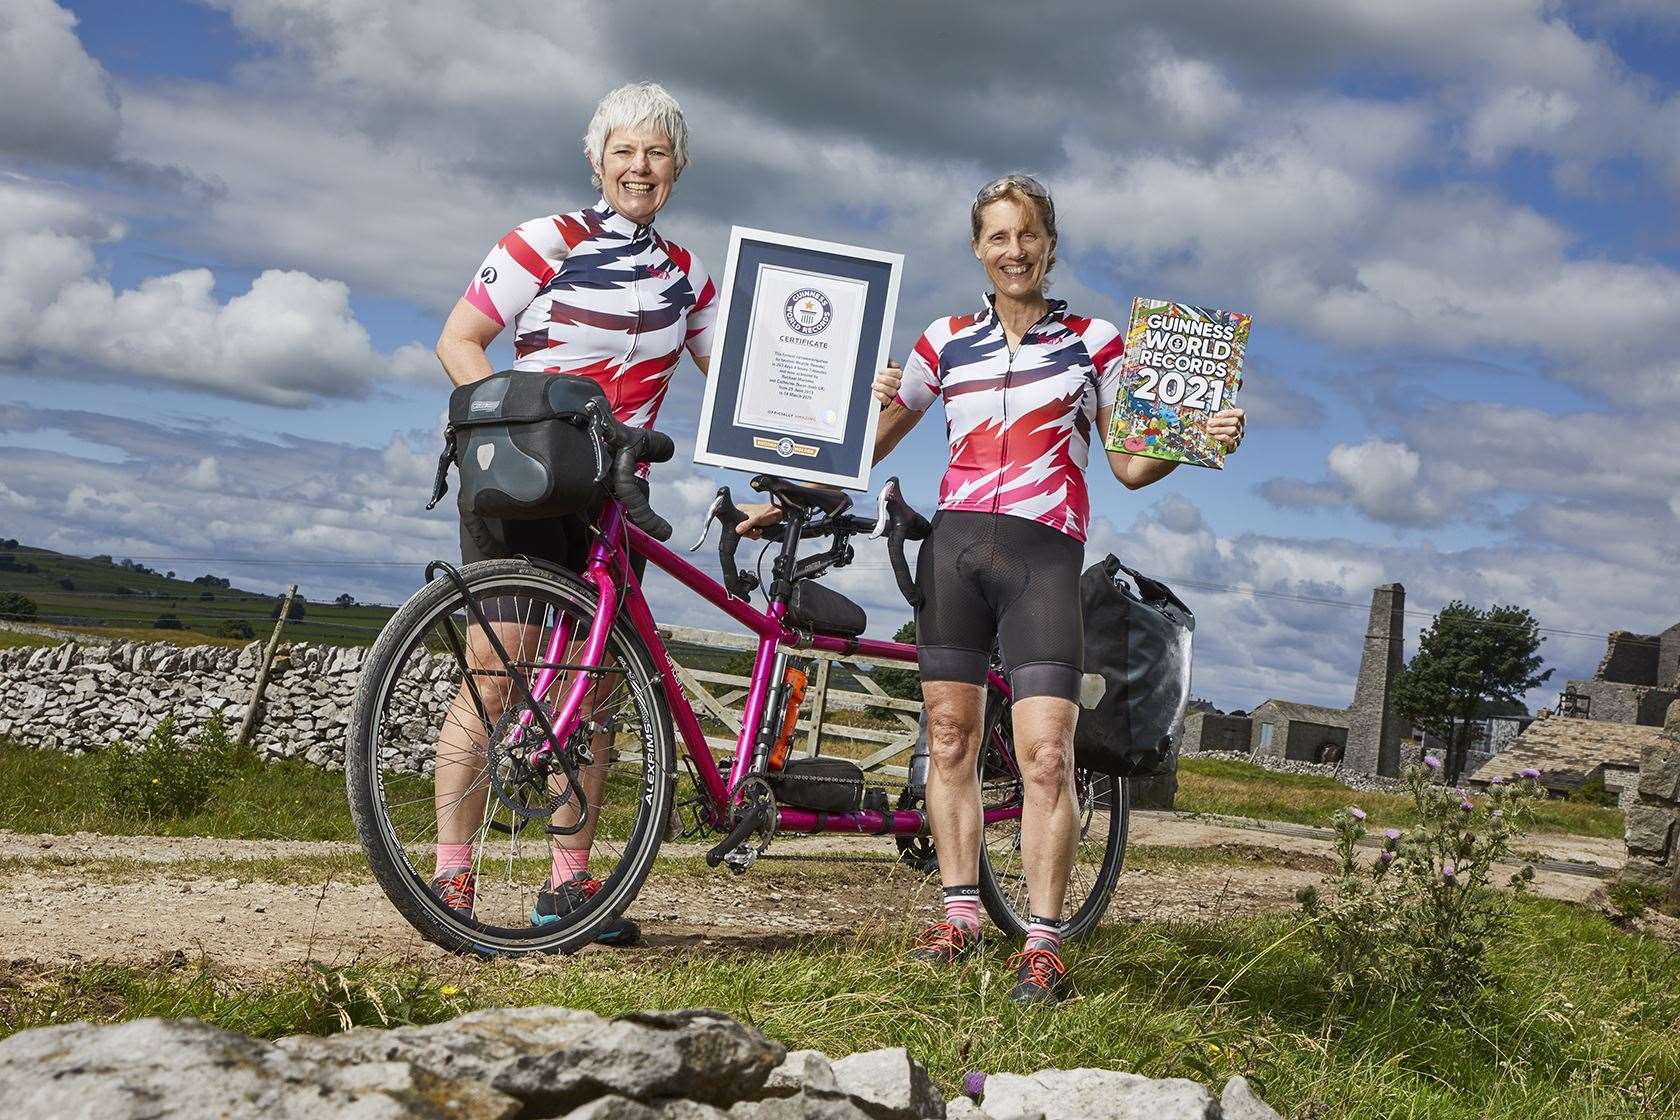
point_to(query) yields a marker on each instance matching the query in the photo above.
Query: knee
(1047, 761)
(494, 704)
(950, 742)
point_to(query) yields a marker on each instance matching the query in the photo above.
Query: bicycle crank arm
(745, 827)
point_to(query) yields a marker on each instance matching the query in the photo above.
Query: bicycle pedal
(741, 859)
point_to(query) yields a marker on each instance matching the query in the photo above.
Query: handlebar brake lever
(883, 516)
(706, 527)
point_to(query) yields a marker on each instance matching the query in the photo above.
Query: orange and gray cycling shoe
(456, 888)
(945, 943)
(1039, 975)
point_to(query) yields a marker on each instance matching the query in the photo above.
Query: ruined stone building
(1603, 725)
(1364, 737)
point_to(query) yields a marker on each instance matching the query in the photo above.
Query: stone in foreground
(1096, 1094)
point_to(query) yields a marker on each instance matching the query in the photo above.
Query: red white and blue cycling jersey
(1019, 425)
(593, 294)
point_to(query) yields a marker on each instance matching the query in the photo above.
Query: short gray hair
(636, 104)
(1025, 190)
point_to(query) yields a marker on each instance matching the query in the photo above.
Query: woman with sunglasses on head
(1025, 382)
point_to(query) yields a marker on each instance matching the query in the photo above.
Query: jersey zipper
(1008, 372)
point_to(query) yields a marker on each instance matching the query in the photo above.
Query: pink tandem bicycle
(540, 704)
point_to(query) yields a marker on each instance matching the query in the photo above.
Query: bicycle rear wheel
(1104, 818)
(426, 760)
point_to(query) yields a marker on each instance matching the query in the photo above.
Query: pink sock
(962, 907)
(1044, 933)
(452, 856)
(567, 863)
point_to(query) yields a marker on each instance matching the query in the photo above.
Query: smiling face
(637, 170)
(1015, 248)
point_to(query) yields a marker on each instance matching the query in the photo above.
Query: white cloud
(290, 340)
(56, 103)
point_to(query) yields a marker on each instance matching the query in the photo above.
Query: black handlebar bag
(1138, 642)
(524, 445)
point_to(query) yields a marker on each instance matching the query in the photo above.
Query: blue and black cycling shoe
(555, 903)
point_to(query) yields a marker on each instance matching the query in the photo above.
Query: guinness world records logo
(808, 311)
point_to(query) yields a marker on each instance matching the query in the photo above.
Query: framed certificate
(802, 327)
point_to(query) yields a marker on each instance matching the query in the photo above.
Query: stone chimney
(1373, 745)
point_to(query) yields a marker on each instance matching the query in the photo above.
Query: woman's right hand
(887, 382)
(760, 516)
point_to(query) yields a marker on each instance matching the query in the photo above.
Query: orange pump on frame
(794, 678)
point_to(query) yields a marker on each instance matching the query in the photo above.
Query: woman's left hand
(1227, 426)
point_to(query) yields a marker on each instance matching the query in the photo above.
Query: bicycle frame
(608, 553)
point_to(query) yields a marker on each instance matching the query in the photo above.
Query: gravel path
(54, 914)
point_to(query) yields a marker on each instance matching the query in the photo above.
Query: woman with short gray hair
(595, 293)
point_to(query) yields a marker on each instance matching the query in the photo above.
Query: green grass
(1582, 1022)
(16, 639)
(45, 791)
(1241, 789)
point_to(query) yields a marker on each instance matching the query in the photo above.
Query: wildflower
(1498, 814)
(449, 990)
(1385, 857)
(1446, 871)
(1392, 835)
(1528, 772)
(974, 1083)
(1356, 812)
(1467, 805)
(1432, 762)
(1496, 781)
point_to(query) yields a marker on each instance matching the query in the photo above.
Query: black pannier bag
(1138, 642)
(824, 785)
(522, 444)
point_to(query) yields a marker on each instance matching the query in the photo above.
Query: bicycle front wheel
(443, 760)
(1104, 816)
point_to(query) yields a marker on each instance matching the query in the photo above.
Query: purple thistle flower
(1393, 834)
(1467, 805)
(1432, 762)
(1385, 858)
(1528, 772)
(1498, 813)
(1496, 781)
(1446, 871)
(974, 1083)
(1356, 812)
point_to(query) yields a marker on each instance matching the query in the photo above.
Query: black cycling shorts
(995, 577)
(562, 541)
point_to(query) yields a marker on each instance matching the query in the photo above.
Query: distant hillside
(123, 599)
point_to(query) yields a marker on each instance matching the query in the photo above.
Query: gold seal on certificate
(803, 325)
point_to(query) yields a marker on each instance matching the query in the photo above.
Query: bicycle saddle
(803, 496)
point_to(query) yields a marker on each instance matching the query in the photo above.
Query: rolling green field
(101, 597)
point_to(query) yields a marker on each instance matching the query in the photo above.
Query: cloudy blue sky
(229, 231)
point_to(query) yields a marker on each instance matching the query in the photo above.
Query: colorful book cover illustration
(1182, 365)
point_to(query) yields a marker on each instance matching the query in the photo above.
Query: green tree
(236, 628)
(345, 600)
(13, 605)
(168, 622)
(294, 613)
(906, 684)
(1466, 659)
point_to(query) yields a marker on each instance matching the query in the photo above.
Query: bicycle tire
(410, 892)
(1002, 890)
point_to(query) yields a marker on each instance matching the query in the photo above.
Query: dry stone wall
(1653, 819)
(79, 698)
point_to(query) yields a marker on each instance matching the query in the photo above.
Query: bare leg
(1043, 728)
(955, 713)
(460, 786)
